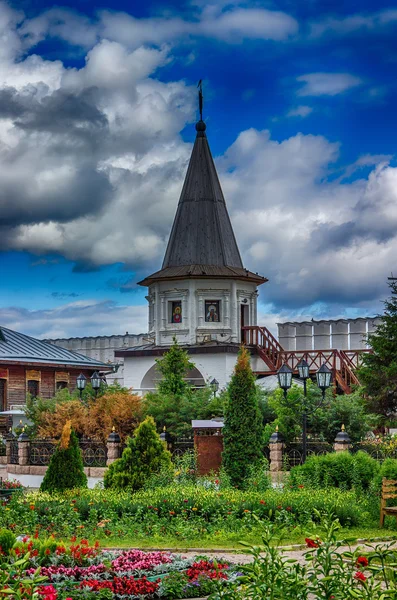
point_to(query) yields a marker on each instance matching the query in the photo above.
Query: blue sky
(97, 110)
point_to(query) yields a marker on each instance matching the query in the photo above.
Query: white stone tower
(202, 295)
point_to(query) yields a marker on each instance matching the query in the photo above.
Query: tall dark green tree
(378, 373)
(243, 430)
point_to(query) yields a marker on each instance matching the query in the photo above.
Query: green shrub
(387, 469)
(7, 540)
(243, 431)
(66, 470)
(144, 455)
(342, 470)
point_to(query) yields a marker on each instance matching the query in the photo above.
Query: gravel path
(297, 554)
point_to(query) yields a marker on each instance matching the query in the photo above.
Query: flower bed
(185, 513)
(85, 571)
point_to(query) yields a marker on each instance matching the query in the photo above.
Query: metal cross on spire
(200, 95)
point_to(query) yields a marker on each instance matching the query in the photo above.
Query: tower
(202, 295)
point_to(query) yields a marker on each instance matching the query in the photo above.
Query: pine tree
(174, 367)
(144, 455)
(378, 373)
(66, 470)
(243, 430)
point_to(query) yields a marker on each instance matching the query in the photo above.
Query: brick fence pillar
(114, 446)
(9, 438)
(276, 445)
(23, 448)
(342, 441)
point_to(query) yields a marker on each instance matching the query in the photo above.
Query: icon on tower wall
(212, 312)
(177, 312)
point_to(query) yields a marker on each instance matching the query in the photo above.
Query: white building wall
(103, 348)
(341, 334)
(193, 293)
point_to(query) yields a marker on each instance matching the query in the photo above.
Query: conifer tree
(243, 430)
(144, 455)
(66, 469)
(378, 373)
(174, 366)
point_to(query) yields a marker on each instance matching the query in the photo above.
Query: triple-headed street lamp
(323, 376)
(96, 381)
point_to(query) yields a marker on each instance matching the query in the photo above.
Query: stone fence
(32, 457)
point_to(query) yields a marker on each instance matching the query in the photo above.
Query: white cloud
(351, 23)
(88, 317)
(300, 111)
(326, 84)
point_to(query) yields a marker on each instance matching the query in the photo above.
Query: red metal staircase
(343, 363)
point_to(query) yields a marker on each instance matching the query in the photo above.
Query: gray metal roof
(207, 424)
(18, 347)
(202, 242)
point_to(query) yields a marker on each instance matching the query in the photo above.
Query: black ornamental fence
(293, 452)
(94, 453)
(14, 456)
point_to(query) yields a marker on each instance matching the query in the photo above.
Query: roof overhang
(57, 365)
(203, 272)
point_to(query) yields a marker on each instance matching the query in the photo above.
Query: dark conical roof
(202, 233)
(202, 241)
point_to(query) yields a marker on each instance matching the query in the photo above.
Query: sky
(98, 103)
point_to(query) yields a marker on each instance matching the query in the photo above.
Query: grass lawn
(231, 542)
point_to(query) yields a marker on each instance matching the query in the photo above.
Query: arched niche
(152, 378)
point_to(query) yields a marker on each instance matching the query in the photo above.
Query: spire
(202, 242)
(202, 233)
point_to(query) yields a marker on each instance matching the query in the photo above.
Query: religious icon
(212, 311)
(176, 312)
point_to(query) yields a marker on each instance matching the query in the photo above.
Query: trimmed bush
(387, 469)
(343, 470)
(66, 469)
(144, 455)
(7, 540)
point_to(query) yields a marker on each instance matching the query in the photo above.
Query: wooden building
(28, 365)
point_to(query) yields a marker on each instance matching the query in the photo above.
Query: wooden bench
(389, 490)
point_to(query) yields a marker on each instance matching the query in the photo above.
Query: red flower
(47, 552)
(301, 486)
(262, 502)
(362, 561)
(311, 543)
(360, 576)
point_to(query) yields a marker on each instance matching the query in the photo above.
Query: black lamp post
(284, 376)
(323, 375)
(96, 382)
(81, 381)
(303, 370)
(214, 386)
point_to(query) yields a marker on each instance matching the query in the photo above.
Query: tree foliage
(176, 403)
(378, 372)
(116, 406)
(173, 367)
(144, 455)
(66, 470)
(243, 430)
(323, 422)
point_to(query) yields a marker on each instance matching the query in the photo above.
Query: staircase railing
(267, 345)
(343, 363)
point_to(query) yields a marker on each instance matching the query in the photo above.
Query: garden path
(296, 554)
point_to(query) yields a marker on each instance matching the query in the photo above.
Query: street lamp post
(96, 382)
(81, 381)
(303, 370)
(214, 386)
(323, 376)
